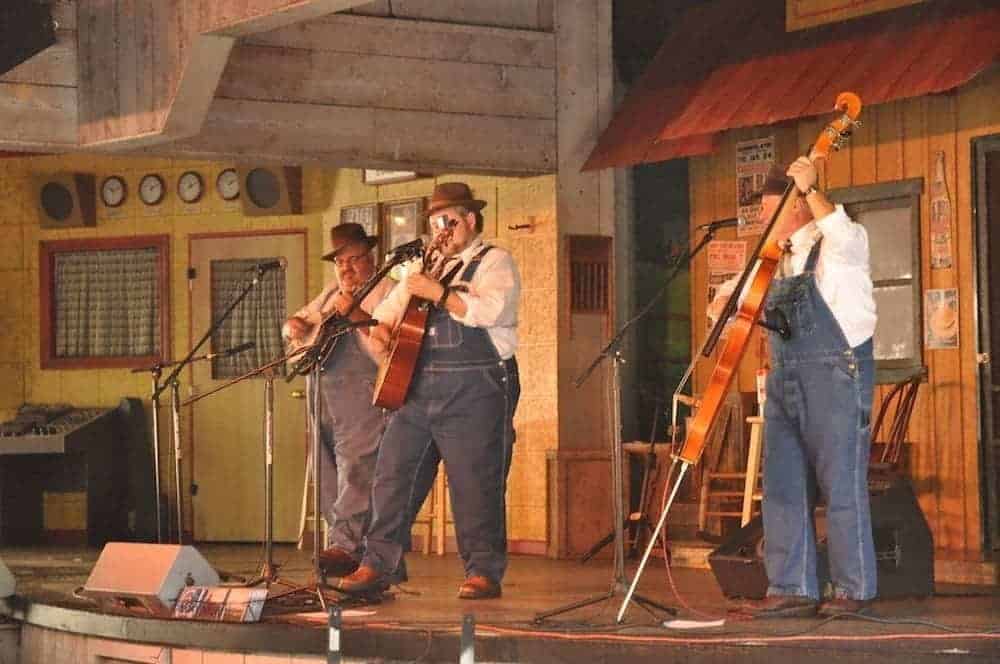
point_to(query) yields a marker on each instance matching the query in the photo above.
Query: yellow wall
(510, 201)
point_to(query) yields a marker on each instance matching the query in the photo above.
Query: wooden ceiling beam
(350, 137)
(239, 18)
(149, 69)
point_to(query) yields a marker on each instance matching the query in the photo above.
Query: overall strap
(813, 256)
(473, 264)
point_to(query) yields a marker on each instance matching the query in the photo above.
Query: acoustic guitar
(396, 371)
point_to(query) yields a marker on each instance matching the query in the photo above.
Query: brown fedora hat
(344, 235)
(453, 194)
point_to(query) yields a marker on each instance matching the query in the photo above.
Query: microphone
(279, 264)
(411, 247)
(231, 351)
(713, 226)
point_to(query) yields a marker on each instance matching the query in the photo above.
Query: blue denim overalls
(460, 409)
(816, 431)
(355, 426)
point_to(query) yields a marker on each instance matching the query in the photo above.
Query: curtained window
(104, 302)
(256, 319)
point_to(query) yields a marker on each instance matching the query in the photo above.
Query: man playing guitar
(351, 426)
(460, 403)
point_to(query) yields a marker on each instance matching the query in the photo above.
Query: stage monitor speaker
(904, 550)
(147, 578)
(26, 28)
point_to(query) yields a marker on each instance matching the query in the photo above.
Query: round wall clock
(190, 187)
(113, 191)
(228, 184)
(152, 189)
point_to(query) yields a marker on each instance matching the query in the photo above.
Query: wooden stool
(308, 520)
(721, 485)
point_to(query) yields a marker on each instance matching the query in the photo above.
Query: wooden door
(988, 353)
(227, 428)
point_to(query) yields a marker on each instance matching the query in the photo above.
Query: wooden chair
(887, 447)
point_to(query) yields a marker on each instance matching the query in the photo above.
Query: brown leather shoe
(479, 587)
(365, 579)
(780, 606)
(337, 562)
(843, 606)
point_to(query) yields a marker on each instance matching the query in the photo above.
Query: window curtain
(107, 303)
(257, 318)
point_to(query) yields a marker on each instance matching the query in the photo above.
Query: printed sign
(941, 318)
(726, 259)
(753, 160)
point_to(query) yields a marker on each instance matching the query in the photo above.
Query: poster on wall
(941, 318)
(753, 159)
(726, 259)
(941, 251)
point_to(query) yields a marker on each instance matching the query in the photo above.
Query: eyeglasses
(442, 222)
(344, 261)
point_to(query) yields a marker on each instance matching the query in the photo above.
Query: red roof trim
(731, 64)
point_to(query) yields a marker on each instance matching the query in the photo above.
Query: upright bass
(741, 325)
(765, 259)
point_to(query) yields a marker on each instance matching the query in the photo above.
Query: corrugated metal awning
(731, 64)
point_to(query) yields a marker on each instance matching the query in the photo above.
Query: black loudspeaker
(904, 549)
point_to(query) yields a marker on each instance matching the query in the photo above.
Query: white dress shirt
(491, 301)
(843, 274)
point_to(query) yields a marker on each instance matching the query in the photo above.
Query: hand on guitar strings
(378, 338)
(423, 286)
(298, 328)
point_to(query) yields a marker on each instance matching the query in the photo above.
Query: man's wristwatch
(811, 190)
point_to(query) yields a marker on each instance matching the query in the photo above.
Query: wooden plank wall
(897, 140)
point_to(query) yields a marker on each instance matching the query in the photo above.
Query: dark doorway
(987, 195)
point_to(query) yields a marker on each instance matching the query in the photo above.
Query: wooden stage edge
(422, 622)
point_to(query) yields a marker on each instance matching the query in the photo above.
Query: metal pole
(175, 415)
(314, 390)
(468, 645)
(333, 639)
(617, 479)
(268, 472)
(156, 454)
(654, 535)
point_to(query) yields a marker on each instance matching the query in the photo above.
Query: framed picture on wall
(403, 221)
(368, 216)
(375, 176)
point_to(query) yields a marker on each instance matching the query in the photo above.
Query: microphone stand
(613, 350)
(269, 571)
(173, 383)
(156, 370)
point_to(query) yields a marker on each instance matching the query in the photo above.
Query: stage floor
(422, 620)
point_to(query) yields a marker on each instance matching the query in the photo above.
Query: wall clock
(228, 184)
(152, 189)
(190, 187)
(113, 191)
